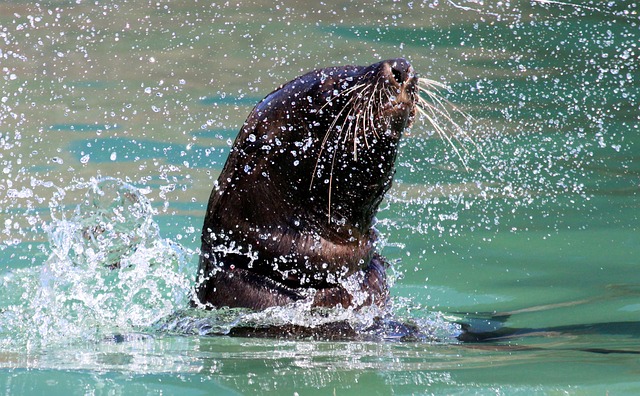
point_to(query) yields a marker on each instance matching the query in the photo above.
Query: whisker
(434, 113)
(349, 127)
(350, 117)
(423, 81)
(345, 92)
(333, 162)
(360, 123)
(326, 135)
(424, 84)
(443, 102)
(370, 108)
(437, 107)
(442, 133)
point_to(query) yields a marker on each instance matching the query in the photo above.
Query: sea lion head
(334, 134)
(296, 200)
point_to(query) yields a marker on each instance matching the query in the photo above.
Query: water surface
(531, 231)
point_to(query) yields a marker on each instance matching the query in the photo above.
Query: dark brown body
(290, 217)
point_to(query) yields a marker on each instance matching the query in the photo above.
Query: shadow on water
(490, 331)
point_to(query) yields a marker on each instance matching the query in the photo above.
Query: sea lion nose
(401, 70)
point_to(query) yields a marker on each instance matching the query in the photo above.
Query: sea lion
(291, 216)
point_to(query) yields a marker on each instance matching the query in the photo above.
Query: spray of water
(109, 274)
(108, 271)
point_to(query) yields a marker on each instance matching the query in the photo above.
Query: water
(530, 232)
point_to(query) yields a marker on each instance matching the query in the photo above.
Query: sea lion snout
(399, 71)
(401, 79)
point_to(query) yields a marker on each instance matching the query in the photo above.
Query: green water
(533, 228)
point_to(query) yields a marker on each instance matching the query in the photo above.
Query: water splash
(301, 321)
(108, 271)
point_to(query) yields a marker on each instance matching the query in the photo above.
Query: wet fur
(290, 217)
